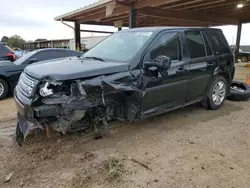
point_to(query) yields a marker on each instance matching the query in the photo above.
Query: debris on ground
(140, 163)
(8, 177)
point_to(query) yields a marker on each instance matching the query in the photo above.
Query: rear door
(201, 64)
(222, 50)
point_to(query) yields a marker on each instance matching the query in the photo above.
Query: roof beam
(101, 15)
(202, 18)
(94, 31)
(183, 4)
(212, 6)
(152, 3)
(121, 2)
(203, 4)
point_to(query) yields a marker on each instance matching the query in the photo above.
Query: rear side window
(219, 42)
(208, 47)
(43, 56)
(195, 44)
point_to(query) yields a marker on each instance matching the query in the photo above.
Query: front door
(202, 64)
(164, 89)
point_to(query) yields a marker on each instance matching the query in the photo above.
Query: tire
(4, 89)
(239, 91)
(244, 59)
(216, 94)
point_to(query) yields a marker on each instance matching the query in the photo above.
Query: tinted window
(4, 49)
(220, 42)
(43, 56)
(167, 44)
(208, 47)
(24, 58)
(195, 44)
(73, 53)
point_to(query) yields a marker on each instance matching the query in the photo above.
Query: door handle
(210, 64)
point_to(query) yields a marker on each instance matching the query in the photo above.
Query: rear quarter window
(219, 42)
(4, 49)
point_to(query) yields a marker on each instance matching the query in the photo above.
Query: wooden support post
(132, 18)
(77, 37)
(237, 47)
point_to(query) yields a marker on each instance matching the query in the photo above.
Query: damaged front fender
(85, 103)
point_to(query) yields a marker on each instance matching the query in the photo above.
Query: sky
(33, 19)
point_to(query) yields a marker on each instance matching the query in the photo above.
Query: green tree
(16, 41)
(4, 39)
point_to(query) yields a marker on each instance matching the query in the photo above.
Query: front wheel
(3, 89)
(217, 93)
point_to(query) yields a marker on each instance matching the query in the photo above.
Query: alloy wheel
(219, 93)
(1, 89)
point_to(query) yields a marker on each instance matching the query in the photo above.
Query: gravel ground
(190, 147)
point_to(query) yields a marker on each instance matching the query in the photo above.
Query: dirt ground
(187, 148)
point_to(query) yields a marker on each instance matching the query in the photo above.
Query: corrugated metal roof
(93, 5)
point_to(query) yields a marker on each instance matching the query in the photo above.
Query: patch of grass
(80, 180)
(114, 168)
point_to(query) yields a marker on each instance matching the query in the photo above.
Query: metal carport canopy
(161, 13)
(142, 13)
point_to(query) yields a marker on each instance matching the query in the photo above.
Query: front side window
(121, 46)
(195, 44)
(167, 44)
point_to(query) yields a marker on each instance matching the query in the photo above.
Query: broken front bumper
(25, 115)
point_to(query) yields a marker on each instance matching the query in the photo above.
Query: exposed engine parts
(44, 91)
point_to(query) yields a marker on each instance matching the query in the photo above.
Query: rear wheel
(4, 89)
(244, 59)
(216, 94)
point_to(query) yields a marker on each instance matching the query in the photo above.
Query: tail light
(11, 56)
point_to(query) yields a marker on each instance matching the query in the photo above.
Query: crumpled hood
(73, 68)
(6, 63)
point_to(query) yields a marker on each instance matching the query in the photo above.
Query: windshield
(22, 59)
(121, 46)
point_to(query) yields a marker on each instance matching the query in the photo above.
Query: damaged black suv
(131, 75)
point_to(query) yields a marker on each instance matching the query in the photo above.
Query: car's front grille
(26, 84)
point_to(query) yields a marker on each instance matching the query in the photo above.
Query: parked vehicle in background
(6, 53)
(18, 52)
(243, 55)
(10, 71)
(129, 76)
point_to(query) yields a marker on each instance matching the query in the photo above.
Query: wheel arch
(228, 78)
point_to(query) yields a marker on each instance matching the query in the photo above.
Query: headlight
(45, 91)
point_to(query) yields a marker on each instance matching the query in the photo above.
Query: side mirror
(33, 60)
(159, 62)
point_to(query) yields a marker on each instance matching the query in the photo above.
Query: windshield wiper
(95, 58)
